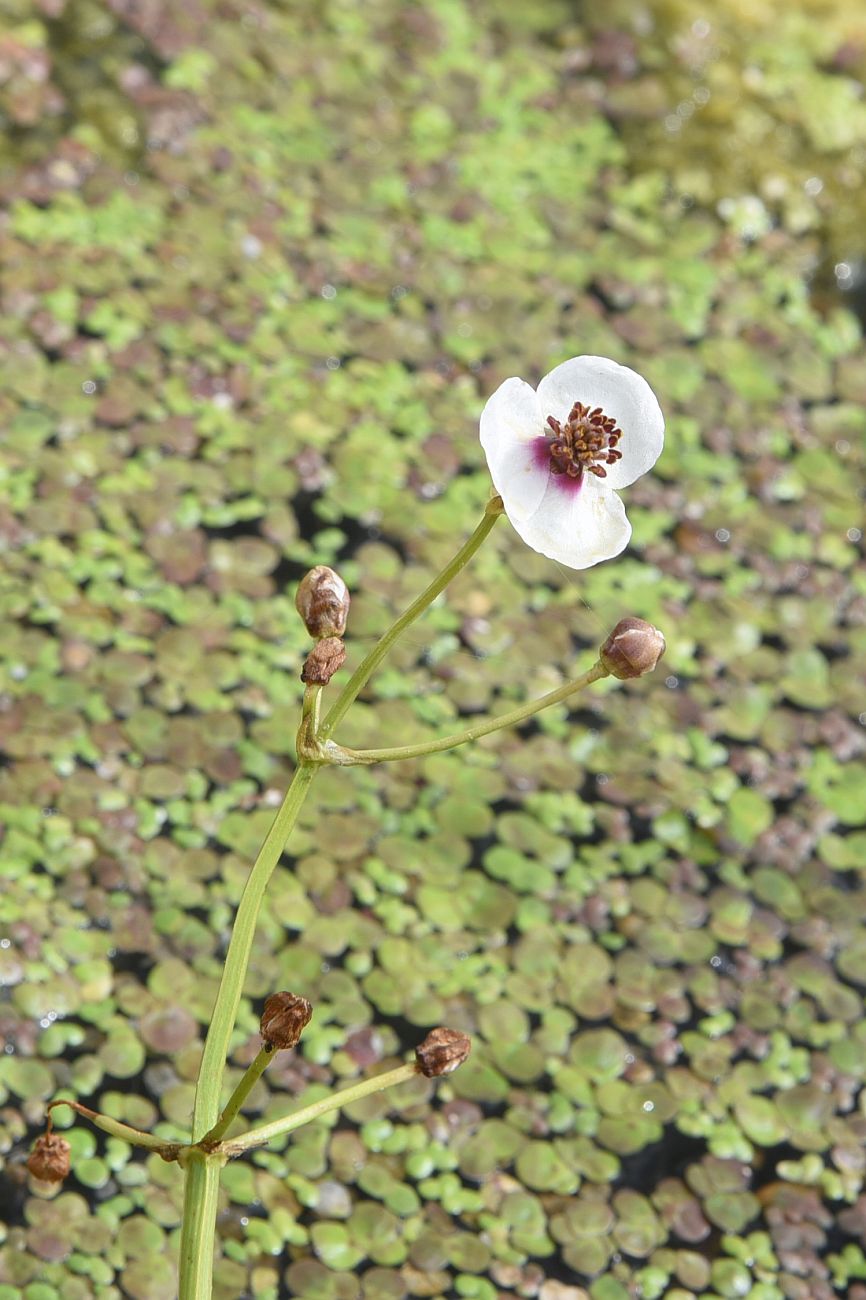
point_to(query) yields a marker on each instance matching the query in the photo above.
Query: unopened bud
(633, 648)
(49, 1159)
(442, 1051)
(284, 1019)
(325, 658)
(322, 600)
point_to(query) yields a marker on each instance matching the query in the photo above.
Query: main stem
(201, 1189)
(216, 1047)
(200, 1200)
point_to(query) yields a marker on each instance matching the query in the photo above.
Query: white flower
(559, 455)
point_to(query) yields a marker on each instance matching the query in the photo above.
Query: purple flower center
(582, 444)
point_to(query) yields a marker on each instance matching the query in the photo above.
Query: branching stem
(343, 757)
(251, 1076)
(257, 1137)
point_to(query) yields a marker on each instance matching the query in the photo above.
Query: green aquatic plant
(556, 457)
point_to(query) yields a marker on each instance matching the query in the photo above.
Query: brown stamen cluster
(585, 443)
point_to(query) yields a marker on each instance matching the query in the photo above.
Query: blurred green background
(260, 266)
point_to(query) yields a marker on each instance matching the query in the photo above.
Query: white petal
(621, 393)
(510, 424)
(578, 525)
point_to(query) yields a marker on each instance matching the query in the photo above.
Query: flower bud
(632, 649)
(322, 600)
(442, 1051)
(49, 1159)
(284, 1018)
(325, 658)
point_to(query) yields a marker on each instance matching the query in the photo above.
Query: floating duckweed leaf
(851, 961)
(608, 1288)
(332, 1244)
(692, 1270)
(761, 1121)
(600, 1054)
(539, 1166)
(731, 1278)
(153, 1279)
(308, 1277)
(749, 813)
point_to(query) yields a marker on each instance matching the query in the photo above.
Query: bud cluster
(322, 600)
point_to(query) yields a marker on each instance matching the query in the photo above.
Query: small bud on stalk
(322, 600)
(442, 1051)
(284, 1018)
(633, 648)
(49, 1159)
(326, 658)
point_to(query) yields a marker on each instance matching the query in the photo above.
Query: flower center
(585, 443)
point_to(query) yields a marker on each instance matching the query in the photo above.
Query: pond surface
(261, 264)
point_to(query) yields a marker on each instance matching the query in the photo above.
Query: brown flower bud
(322, 600)
(632, 649)
(49, 1159)
(284, 1019)
(325, 658)
(442, 1051)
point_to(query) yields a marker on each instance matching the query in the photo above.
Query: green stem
(251, 1076)
(343, 757)
(256, 1137)
(363, 672)
(200, 1201)
(113, 1126)
(311, 708)
(216, 1048)
(202, 1174)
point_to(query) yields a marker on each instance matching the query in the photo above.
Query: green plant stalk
(311, 709)
(257, 1137)
(340, 756)
(200, 1200)
(251, 1076)
(228, 998)
(202, 1172)
(216, 1047)
(364, 671)
(119, 1130)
